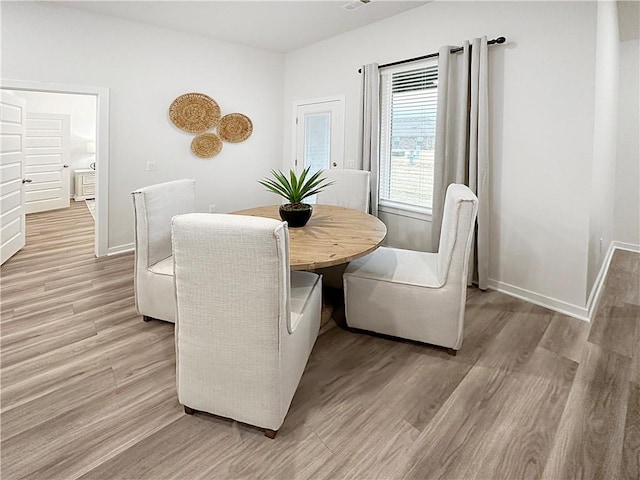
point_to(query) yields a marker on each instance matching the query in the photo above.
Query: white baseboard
(120, 249)
(583, 313)
(632, 247)
(542, 300)
(596, 289)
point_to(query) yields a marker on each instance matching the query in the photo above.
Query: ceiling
(280, 26)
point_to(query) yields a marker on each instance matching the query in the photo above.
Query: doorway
(59, 129)
(91, 147)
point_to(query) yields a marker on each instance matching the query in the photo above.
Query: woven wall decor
(235, 127)
(206, 145)
(194, 112)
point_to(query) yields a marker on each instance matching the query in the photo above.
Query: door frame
(300, 103)
(101, 231)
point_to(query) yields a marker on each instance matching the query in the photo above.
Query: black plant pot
(296, 214)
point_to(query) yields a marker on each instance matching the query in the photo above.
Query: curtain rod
(498, 41)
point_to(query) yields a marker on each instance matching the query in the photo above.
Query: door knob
(65, 166)
(26, 180)
(335, 164)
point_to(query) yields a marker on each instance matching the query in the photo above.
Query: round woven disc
(194, 112)
(206, 145)
(235, 127)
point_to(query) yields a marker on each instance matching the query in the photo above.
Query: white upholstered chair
(245, 324)
(351, 189)
(154, 207)
(417, 295)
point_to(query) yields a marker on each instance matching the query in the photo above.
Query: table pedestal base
(332, 308)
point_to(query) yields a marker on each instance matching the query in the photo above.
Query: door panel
(47, 162)
(12, 227)
(44, 159)
(42, 141)
(11, 202)
(43, 195)
(11, 144)
(44, 123)
(11, 113)
(39, 175)
(12, 134)
(8, 172)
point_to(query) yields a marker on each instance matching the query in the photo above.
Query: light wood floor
(88, 388)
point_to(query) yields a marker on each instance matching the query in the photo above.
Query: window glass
(317, 141)
(409, 98)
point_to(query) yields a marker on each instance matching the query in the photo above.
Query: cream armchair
(154, 207)
(351, 189)
(246, 324)
(416, 295)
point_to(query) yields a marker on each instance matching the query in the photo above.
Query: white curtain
(370, 128)
(462, 141)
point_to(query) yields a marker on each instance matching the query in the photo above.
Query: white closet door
(47, 156)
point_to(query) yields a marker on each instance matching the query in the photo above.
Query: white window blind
(408, 105)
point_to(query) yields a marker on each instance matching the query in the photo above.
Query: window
(317, 141)
(408, 106)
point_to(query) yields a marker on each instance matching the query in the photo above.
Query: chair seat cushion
(302, 286)
(398, 266)
(163, 267)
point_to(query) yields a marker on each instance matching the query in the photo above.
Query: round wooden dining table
(333, 235)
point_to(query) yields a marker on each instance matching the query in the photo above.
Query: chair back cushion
(154, 208)
(232, 291)
(351, 189)
(458, 224)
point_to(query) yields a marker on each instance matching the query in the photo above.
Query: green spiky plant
(295, 189)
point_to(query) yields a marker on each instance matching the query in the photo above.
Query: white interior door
(12, 136)
(47, 156)
(319, 134)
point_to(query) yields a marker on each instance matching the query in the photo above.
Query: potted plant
(295, 189)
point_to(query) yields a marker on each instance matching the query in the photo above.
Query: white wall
(146, 68)
(82, 109)
(542, 87)
(627, 192)
(604, 138)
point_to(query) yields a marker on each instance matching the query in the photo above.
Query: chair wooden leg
(189, 411)
(270, 433)
(452, 352)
